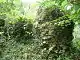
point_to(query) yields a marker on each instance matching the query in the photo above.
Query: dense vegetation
(53, 34)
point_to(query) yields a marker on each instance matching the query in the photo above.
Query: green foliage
(74, 1)
(56, 32)
(22, 29)
(2, 22)
(73, 12)
(77, 43)
(49, 13)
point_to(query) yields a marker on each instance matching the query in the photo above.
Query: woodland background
(24, 25)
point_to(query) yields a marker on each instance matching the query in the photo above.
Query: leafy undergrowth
(29, 50)
(12, 50)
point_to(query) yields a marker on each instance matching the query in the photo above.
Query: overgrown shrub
(55, 33)
(2, 23)
(20, 30)
(23, 29)
(46, 14)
